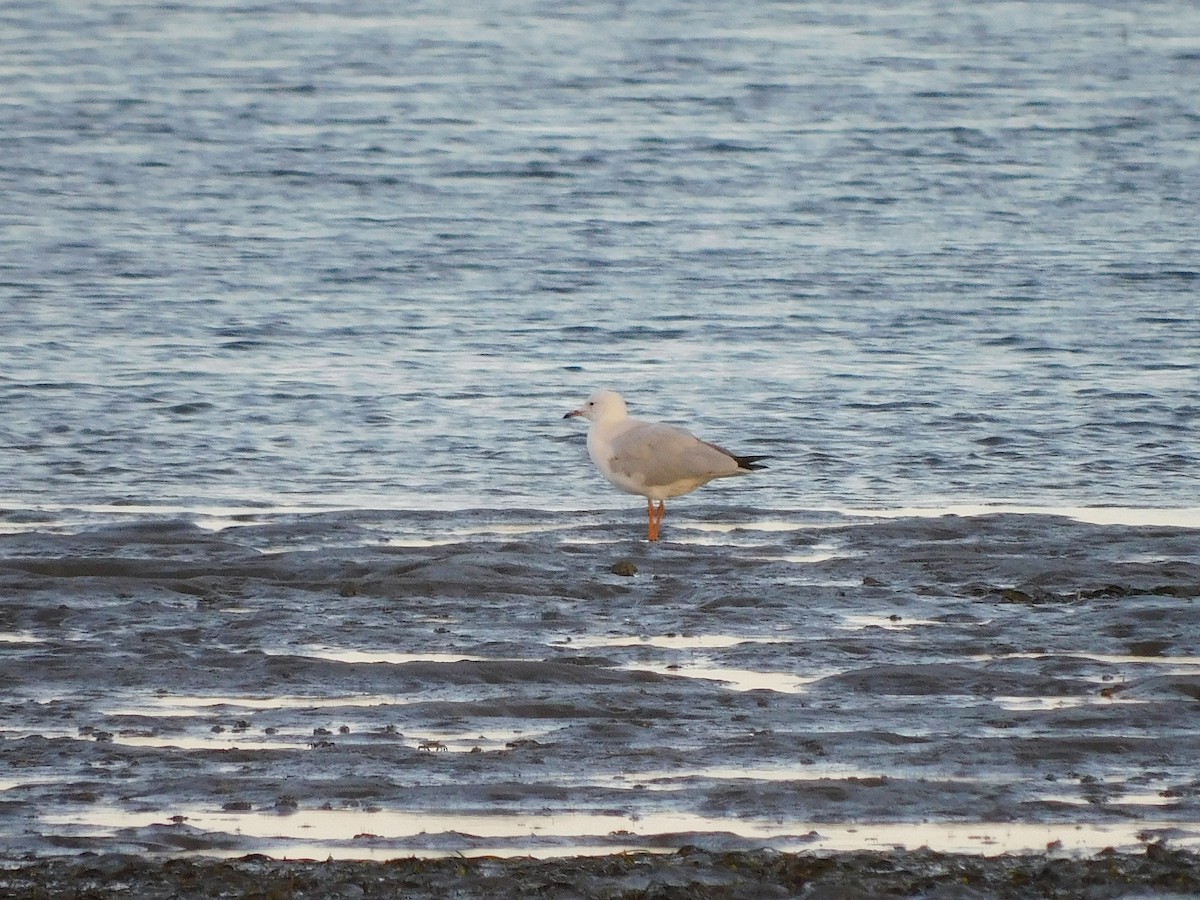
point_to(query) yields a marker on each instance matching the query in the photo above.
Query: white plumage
(654, 460)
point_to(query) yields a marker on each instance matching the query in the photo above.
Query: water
(277, 279)
(362, 255)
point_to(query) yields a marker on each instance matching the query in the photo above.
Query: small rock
(1149, 648)
(1012, 595)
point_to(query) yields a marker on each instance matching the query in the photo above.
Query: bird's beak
(573, 413)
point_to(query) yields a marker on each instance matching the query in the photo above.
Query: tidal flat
(356, 685)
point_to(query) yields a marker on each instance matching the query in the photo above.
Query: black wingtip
(750, 463)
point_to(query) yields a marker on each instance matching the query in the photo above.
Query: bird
(655, 460)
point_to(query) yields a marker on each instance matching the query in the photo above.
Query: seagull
(652, 459)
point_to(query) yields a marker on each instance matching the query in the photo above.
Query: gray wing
(660, 455)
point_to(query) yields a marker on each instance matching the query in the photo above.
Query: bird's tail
(750, 463)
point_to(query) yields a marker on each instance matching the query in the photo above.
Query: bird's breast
(600, 449)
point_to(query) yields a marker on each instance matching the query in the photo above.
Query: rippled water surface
(277, 278)
(367, 255)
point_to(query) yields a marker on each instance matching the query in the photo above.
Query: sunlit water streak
(380, 834)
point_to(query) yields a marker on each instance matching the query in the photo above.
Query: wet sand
(379, 685)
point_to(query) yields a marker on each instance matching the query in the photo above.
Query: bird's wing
(659, 455)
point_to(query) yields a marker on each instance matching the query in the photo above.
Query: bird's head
(602, 406)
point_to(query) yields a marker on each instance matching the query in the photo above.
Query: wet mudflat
(689, 873)
(375, 685)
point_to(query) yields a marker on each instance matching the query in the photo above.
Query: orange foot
(654, 518)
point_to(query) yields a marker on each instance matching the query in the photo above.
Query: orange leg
(655, 518)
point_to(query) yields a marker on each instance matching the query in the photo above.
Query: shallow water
(292, 301)
(368, 256)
